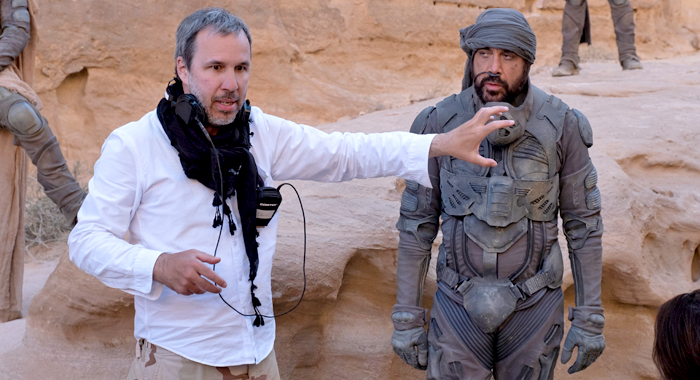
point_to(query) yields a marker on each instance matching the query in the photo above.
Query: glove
(412, 347)
(590, 346)
(410, 340)
(586, 332)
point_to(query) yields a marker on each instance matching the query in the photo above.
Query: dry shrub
(43, 221)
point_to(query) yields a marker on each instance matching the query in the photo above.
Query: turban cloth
(500, 28)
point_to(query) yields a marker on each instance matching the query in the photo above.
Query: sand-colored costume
(13, 178)
(17, 77)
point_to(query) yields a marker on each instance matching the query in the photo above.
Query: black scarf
(238, 169)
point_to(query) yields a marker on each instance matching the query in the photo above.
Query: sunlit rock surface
(101, 65)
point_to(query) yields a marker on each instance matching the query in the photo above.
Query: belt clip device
(269, 200)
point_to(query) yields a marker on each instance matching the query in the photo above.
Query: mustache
(229, 96)
(490, 78)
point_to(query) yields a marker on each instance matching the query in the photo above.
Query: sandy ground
(57, 361)
(38, 266)
(35, 274)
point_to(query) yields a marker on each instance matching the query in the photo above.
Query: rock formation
(103, 64)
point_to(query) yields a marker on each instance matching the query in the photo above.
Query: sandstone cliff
(101, 65)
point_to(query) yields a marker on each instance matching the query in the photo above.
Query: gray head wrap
(501, 28)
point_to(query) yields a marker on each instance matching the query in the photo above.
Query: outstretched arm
(303, 152)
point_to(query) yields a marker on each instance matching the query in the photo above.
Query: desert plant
(43, 221)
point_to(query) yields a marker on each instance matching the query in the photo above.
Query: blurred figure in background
(23, 128)
(576, 30)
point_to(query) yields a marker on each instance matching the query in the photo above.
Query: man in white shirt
(159, 180)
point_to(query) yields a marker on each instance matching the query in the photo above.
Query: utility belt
(488, 300)
(522, 290)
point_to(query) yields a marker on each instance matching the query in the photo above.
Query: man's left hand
(412, 347)
(590, 346)
(463, 142)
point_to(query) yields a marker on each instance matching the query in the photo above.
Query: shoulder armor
(546, 123)
(584, 127)
(421, 121)
(551, 108)
(447, 109)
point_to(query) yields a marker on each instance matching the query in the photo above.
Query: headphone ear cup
(189, 110)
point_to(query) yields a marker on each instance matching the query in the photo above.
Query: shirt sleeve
(96, 244)
(304, 152)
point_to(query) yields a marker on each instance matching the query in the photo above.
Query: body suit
(498, 310)
(22, 125)
(576, 29)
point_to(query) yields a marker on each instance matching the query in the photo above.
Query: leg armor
(457, 348)
(526, 346)
(623, 19)
(33, 134)
(575, 30)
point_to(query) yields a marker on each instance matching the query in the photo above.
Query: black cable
(303, 264)
(218, 240)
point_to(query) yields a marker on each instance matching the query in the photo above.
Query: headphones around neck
(189, 110)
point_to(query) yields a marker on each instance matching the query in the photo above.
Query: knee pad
(23, 118)
(578, 3)
(17, 114)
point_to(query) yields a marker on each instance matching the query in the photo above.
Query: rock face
(645, 154)
(647, 164)
(104, 64)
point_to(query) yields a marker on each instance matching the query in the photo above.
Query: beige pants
(156, 363)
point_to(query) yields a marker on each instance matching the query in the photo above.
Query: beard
(506, 93)
(214, 119)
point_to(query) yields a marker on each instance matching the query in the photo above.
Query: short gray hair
(220, 20)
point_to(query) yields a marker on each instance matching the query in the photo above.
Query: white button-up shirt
(140, 188)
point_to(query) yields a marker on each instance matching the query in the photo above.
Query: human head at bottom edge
(677, 337)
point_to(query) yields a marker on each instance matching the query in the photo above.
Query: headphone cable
(218, 240)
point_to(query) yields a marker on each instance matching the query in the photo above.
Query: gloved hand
(586, 332)
(590, 346)
(412, 347)
(410, 340)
